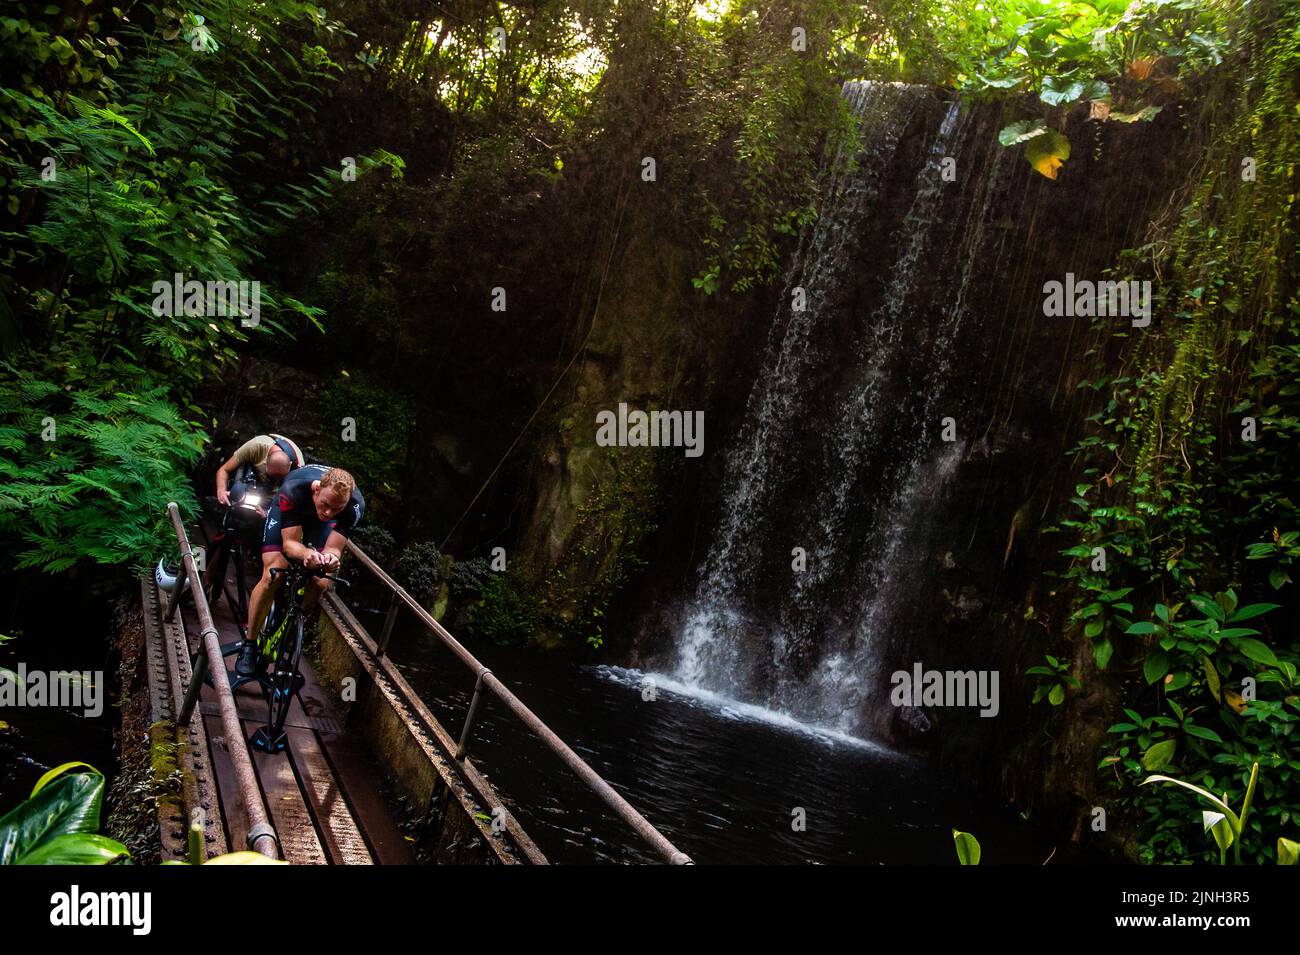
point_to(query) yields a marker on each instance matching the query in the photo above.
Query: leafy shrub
(1192, 514)
(420, 570)
(469, 577)
(123, 147)
(507, 612)
(377, 542)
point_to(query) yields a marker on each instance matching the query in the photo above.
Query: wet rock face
(965, 604)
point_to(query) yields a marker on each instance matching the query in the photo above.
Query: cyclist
(310, 520)
(268, 456)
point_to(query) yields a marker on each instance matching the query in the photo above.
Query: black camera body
(247, 495)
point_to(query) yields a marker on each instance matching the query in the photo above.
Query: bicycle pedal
(236, 681)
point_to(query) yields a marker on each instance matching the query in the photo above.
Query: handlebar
(318, 572)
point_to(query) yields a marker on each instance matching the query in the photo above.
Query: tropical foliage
(129, 140)
(58, 824)
(1183, 523)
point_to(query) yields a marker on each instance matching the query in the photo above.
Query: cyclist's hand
(329, 562)
(261, 512)
(311, 560)
(223, 495)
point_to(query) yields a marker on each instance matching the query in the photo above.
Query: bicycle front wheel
(284, 677)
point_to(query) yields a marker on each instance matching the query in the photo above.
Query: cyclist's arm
(223, 478)
(293, 548)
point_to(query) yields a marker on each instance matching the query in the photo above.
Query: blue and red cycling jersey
(294, 507)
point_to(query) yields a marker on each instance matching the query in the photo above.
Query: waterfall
(840, 453)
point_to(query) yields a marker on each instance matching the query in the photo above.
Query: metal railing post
(463, 746)
(394, 603)
(192, 691)
(174, 599)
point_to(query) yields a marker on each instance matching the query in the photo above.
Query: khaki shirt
(254, 452)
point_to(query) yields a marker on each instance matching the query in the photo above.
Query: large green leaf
(56, 772)
(1147, 113)
(1257, 650)
(1211, 678)
(968, 847)
(1018, 133)
(75, 848)
(1156, 665)
(1202, 732)
(1159, 756)
(1253, 610)
(1288, 851)
(1102, 651)
(1208, 607)
(1057, 92)
(68, 804)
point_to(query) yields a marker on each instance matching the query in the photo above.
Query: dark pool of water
(721, 780)
(54, 626)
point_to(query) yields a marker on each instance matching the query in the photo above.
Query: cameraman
(269, 457)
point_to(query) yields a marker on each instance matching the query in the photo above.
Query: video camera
(246, 497)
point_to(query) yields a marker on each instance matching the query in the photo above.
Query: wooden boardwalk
(320, 794)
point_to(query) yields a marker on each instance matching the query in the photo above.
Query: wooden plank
(356, 775)
(233, 814)
(317, 703)
(285, 804)
(338, 830)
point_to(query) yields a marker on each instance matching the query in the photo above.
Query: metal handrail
(486, 680)
(261, 835)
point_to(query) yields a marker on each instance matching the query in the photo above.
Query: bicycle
(280, 651)
(238, 536)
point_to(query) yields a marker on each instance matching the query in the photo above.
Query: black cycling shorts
(314, 536)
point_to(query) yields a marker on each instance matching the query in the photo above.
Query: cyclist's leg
(259, 602)
(272, 558)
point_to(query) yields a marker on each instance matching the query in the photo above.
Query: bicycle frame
(285, 616)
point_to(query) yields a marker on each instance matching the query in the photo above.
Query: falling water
(840, 453)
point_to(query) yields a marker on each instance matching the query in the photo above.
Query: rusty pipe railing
(485, 680)
(261, 835)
